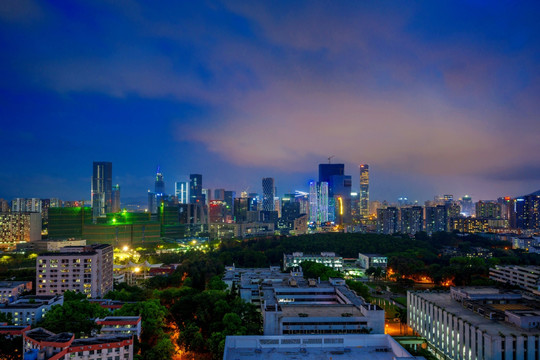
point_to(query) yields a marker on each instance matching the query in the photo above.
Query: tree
(152, 315)
(76, 317)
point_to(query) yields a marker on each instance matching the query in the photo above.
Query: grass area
(389, 308)
(401, 300)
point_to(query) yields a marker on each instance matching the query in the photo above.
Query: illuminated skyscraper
(101, 189)
(159, 184)
(181, 191)
(318, 202)
(364, 190)
(268, 194)
(195, 189)
(116, 198)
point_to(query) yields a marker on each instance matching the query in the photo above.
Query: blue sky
(438, 97)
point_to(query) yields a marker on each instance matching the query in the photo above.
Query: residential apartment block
(85, 269)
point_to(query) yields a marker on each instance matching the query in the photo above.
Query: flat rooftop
(492, 327)
(343, 347)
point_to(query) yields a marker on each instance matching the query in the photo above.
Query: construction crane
(330, 159)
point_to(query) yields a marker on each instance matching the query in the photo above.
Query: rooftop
(492, 327)
(343, 347)
(41, 334)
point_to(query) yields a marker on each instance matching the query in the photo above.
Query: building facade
(364, 190)
(476, 324)
(18, 228)
(527, 277)
(30, 309)
(85, 269)
(326, 258)
(268, 187)
(41, 344)
(101, 188)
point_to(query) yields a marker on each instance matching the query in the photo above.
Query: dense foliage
(75, 316)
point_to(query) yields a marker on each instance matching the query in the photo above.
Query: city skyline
(436, 98)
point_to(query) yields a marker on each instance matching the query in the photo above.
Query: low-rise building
(41, 344)
(528, 277)
(28, 310)
(326, 258)
(291, 304)
(11, 290)
(476, 323)
(372, 260)
(50, 245)
(359, 347)
(120, 325)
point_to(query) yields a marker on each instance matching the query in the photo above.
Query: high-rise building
(467, 206)
(85, 269)
(326, 171)
(101, 188)
(152, 203)
(19, 227)
(388, 220)
(290, 209)
(318, 202)
(488, 209)
(527, 211)
(364, 190)
(412, 219)
(159, 184)
(195, 189)
(207, 193)
(268, 194)
(181, 191)
(229, 203)
(116, 198)
(219, 194)
(342, 198)
(241, 208)
(436, 218)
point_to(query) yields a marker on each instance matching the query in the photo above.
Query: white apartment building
(476, 324)
(28, 310)
(85, 269)
(528, 277)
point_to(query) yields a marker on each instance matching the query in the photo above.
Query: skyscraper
(181, 191)
(195, 189)
(318, 202)
(268, 194)
(364, 190)
(116, 198)
(159, 184)
(101, 188)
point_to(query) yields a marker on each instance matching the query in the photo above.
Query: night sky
(439, 97)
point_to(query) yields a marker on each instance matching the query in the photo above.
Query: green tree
(152, 315)
(76, 317)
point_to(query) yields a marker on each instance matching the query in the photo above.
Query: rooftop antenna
(330, 159)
